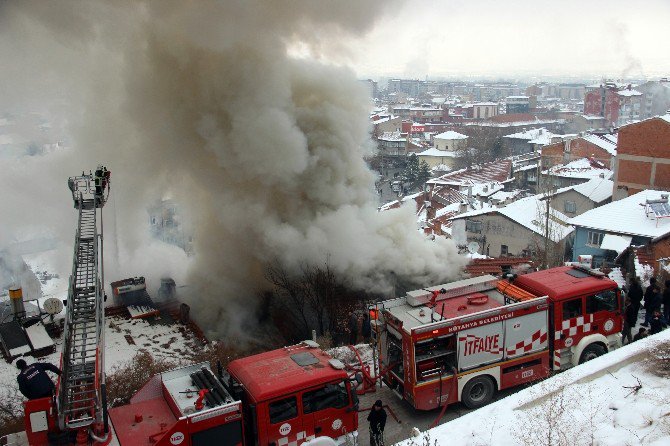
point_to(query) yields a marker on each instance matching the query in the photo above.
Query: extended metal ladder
(81, 398)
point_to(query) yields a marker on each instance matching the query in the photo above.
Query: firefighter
(377, 420)
(33, 380)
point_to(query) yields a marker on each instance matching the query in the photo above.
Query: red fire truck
(465, 340)
(282, 397)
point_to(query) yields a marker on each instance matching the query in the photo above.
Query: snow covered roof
(528, 167)
(438, 153)
(592, 117)
(391, 136)
(626, 216)
(528, 134)
(482, 173)
(441, 168)
(450, 135)
(606, 142)
(597, 189)
(382, 119)
(629, 93)
(581, 168)
(529, 212)
(547, 138)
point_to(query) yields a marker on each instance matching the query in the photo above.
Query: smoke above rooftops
(261, 149)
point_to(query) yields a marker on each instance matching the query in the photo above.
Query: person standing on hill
(635, 292)
(666, 301)
(652, 300)
(630, 318)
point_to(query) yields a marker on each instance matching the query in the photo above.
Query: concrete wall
(553, 154)
(582, 203)
(497, 230)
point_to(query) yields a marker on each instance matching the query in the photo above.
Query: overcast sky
(611, 38)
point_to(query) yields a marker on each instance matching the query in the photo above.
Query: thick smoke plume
(262, 150)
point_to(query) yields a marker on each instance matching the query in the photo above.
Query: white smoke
(262, 150)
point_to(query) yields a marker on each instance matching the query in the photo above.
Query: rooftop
(583, 168)
(597, 189)
(528, 212)
(438, 153)
(450, 135)
(626, 216)
(277, 372)
(483, 173)
(606, 142)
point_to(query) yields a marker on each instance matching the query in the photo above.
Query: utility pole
(545, 263)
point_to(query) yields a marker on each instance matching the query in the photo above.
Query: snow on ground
(162, 341)
(593, 404)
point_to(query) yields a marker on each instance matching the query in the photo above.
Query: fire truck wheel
(592, 352)
(478, 392)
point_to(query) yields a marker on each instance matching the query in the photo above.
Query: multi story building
(518, 104)
(643, 157)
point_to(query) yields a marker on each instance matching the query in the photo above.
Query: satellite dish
(53, 305)
(473, 247)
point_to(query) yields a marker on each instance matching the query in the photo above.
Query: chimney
(462, 207)
(16, 299)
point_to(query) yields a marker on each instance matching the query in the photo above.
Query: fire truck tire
(478, 392)
(592, 352)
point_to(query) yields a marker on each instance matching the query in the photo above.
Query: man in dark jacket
(630, 318)
(377, 419)
(652, 300)
(33, 380)
(666, 301)
(635, 292)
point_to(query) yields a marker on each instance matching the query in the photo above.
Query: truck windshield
(331, 396)
(603, 301)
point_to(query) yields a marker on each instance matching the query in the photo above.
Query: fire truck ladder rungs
(79, 398)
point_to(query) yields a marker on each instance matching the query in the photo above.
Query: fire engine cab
(465, 340)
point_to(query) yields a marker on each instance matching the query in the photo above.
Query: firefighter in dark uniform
(33, 380)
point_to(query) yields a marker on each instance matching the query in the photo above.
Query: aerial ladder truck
(80, 412)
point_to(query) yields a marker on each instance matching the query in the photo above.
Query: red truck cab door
(280, 422)
(327, 411)
(604, 310)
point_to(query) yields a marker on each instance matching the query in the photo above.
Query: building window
(594, 238)
(503, 250)
(570, 206)
(473, 226)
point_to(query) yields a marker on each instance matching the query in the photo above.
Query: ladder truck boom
(80, 396)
